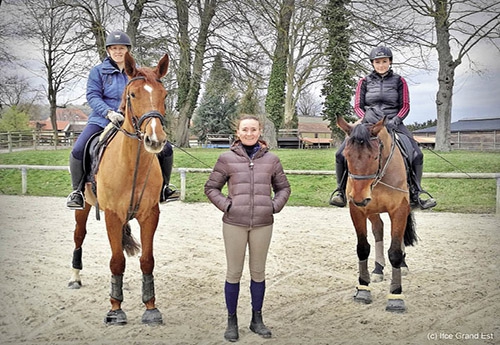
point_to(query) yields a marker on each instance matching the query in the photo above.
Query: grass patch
(453, 195)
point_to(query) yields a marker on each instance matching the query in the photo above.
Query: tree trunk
(446, 77)
(275, 98)
(188, 97)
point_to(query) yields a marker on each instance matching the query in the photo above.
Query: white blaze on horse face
(149, 89)
(153, 130)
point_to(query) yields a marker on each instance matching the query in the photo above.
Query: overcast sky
(475, 95)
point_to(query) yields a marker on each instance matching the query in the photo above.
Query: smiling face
(381, 65)
(249, 131)
(117, 53)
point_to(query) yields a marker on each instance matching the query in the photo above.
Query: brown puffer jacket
(250, 182)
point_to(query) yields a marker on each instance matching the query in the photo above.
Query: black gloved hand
(392, 124)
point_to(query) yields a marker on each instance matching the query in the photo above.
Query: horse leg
(79, 234)
(114, 226)
(395, 298)
(363, 293)
(152, 315)
(378, 232)
(404, 267)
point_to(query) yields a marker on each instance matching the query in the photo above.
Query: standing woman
(105, 87)
(257, 189)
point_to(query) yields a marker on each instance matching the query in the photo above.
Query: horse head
(362, 151)
(143, 103)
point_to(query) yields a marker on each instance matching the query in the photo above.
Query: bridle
(137, 122)
(381, 170)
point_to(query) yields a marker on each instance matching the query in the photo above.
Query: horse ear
(162, 67)
(130, 68)
(344, 125)
(376, 128)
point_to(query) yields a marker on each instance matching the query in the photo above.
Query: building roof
(468, 125)
(314, 128)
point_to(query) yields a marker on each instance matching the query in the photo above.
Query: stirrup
(169, 193)
(338, 203)
(425, 204)
(76, 200)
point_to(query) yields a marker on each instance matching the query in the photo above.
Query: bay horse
(377, 183)
(128, 185)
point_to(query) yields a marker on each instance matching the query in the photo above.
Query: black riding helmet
(380, 52)
(118, 38)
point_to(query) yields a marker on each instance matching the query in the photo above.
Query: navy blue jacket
(105, 87)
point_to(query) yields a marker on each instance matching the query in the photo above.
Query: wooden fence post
(24, 180)
(9, 141)
(498, 197)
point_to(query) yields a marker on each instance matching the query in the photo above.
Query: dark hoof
(74, 285)
(363, 295)
(152, 317)
(395, 305)
(116, 318)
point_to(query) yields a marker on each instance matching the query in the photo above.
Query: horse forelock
(360, 136)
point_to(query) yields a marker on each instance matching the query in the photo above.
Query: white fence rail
(183, 172)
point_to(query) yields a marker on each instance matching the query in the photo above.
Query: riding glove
(115, 117)
(392, 124)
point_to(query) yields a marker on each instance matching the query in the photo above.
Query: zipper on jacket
(252, 196)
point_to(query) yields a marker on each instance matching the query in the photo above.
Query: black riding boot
(231, 333)
(168, 191)
(338, 196)
(257, 325)
(76, 200)
(417, 190)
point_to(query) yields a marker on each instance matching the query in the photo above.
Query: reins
(137, 124)
(381, 171)
(132, 210)
(138, 121)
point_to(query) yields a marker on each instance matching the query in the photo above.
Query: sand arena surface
(452, 292)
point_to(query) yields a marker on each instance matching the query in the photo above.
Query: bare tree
(275, 98)
(459, 26)
(50, 26)
(190, 70)
(94, 16)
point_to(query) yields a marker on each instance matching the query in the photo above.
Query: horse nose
(154, 145)
(362, 203)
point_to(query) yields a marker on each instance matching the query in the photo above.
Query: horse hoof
(363, 295)
(115, 318)
(377, 278)
(152, 317)
(395, 304)
(74, 285)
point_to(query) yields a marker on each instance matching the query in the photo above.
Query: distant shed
(478, 134)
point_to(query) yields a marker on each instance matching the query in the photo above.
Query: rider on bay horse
(104, 93)
(384, 93)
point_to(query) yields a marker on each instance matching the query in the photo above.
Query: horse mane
(360, 136)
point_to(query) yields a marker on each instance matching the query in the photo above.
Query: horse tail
(410, 237)
(129, 243)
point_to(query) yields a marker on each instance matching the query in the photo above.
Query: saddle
(94, 149)
(406, 147)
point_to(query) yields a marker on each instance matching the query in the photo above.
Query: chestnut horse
(377, 183)
(128, 184)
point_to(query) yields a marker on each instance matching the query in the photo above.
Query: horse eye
(132, 94)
